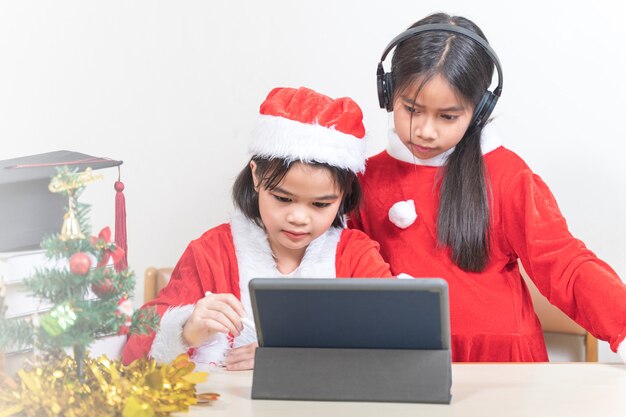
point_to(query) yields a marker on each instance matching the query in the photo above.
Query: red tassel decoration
(120, 225)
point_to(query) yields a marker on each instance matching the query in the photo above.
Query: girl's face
(434, 121)
(300, 209)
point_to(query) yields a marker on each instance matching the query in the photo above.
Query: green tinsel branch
(16, 333)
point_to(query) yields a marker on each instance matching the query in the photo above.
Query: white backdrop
(173, 88)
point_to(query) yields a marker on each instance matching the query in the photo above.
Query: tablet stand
(380, 375)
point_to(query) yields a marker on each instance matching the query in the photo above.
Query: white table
(509, 390)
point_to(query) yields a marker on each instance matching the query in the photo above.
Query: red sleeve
(564, 270)
(358, 257)
(208, 264)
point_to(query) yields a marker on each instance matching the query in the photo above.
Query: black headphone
(487, 102)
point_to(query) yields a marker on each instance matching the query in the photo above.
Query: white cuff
(168, 342)
(621, 350)
(213, 351)
(402, 275)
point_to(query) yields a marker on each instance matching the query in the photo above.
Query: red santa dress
(492, 316)
(223, 260)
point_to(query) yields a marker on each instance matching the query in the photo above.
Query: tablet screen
(351, 313)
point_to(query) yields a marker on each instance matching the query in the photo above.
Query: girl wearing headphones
(445, 199)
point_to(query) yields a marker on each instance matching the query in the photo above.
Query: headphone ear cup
(389, 92)
(491, 104)
(380, 84)
(483, 109)
(385, 91)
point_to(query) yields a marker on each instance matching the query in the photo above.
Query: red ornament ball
(103, 288)
(80, 263)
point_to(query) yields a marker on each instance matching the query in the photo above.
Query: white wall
(172, 88)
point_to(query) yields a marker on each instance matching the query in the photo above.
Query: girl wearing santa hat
(445, 199)
(291, 199)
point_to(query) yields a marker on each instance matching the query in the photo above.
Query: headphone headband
(385, 80)
(445, 27)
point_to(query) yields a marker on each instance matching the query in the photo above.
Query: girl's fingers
(227, 299)
(233, 302)
(216, 320)
(216, 326)
(241, 366)
(196, 331)
(241, 353)
(217, 303)
(241, 358)
(230, 316)
(215, 313)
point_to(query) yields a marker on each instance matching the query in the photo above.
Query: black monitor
(367, 313)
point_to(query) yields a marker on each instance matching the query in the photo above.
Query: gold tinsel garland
(141, 389)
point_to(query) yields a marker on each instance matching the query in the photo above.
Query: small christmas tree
(89, 301)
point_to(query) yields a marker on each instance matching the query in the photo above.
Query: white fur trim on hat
(279, 137)
(168, 342)
(403, 214)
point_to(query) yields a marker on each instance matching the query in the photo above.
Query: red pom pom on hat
(304, 125)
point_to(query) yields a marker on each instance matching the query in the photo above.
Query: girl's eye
(410, 109)
(449, 117)
(321, 205)
(282, 199)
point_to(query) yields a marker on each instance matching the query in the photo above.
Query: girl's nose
(425, 128)
(297, 216)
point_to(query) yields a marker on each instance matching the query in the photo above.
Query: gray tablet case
(352, 340)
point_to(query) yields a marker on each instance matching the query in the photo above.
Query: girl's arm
(208, 264)
(175, 302)
(358, 257)
(563, 268)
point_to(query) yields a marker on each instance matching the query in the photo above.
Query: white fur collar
(254, 259)
(254, 256)
(489, 141)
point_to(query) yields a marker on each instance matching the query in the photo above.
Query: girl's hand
(215, 313)
(241, 358)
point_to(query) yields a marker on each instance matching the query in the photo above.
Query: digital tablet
(368, 313)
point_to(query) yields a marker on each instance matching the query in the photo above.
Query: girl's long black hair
(463, 215)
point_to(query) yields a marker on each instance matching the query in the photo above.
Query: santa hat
(303, 125)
